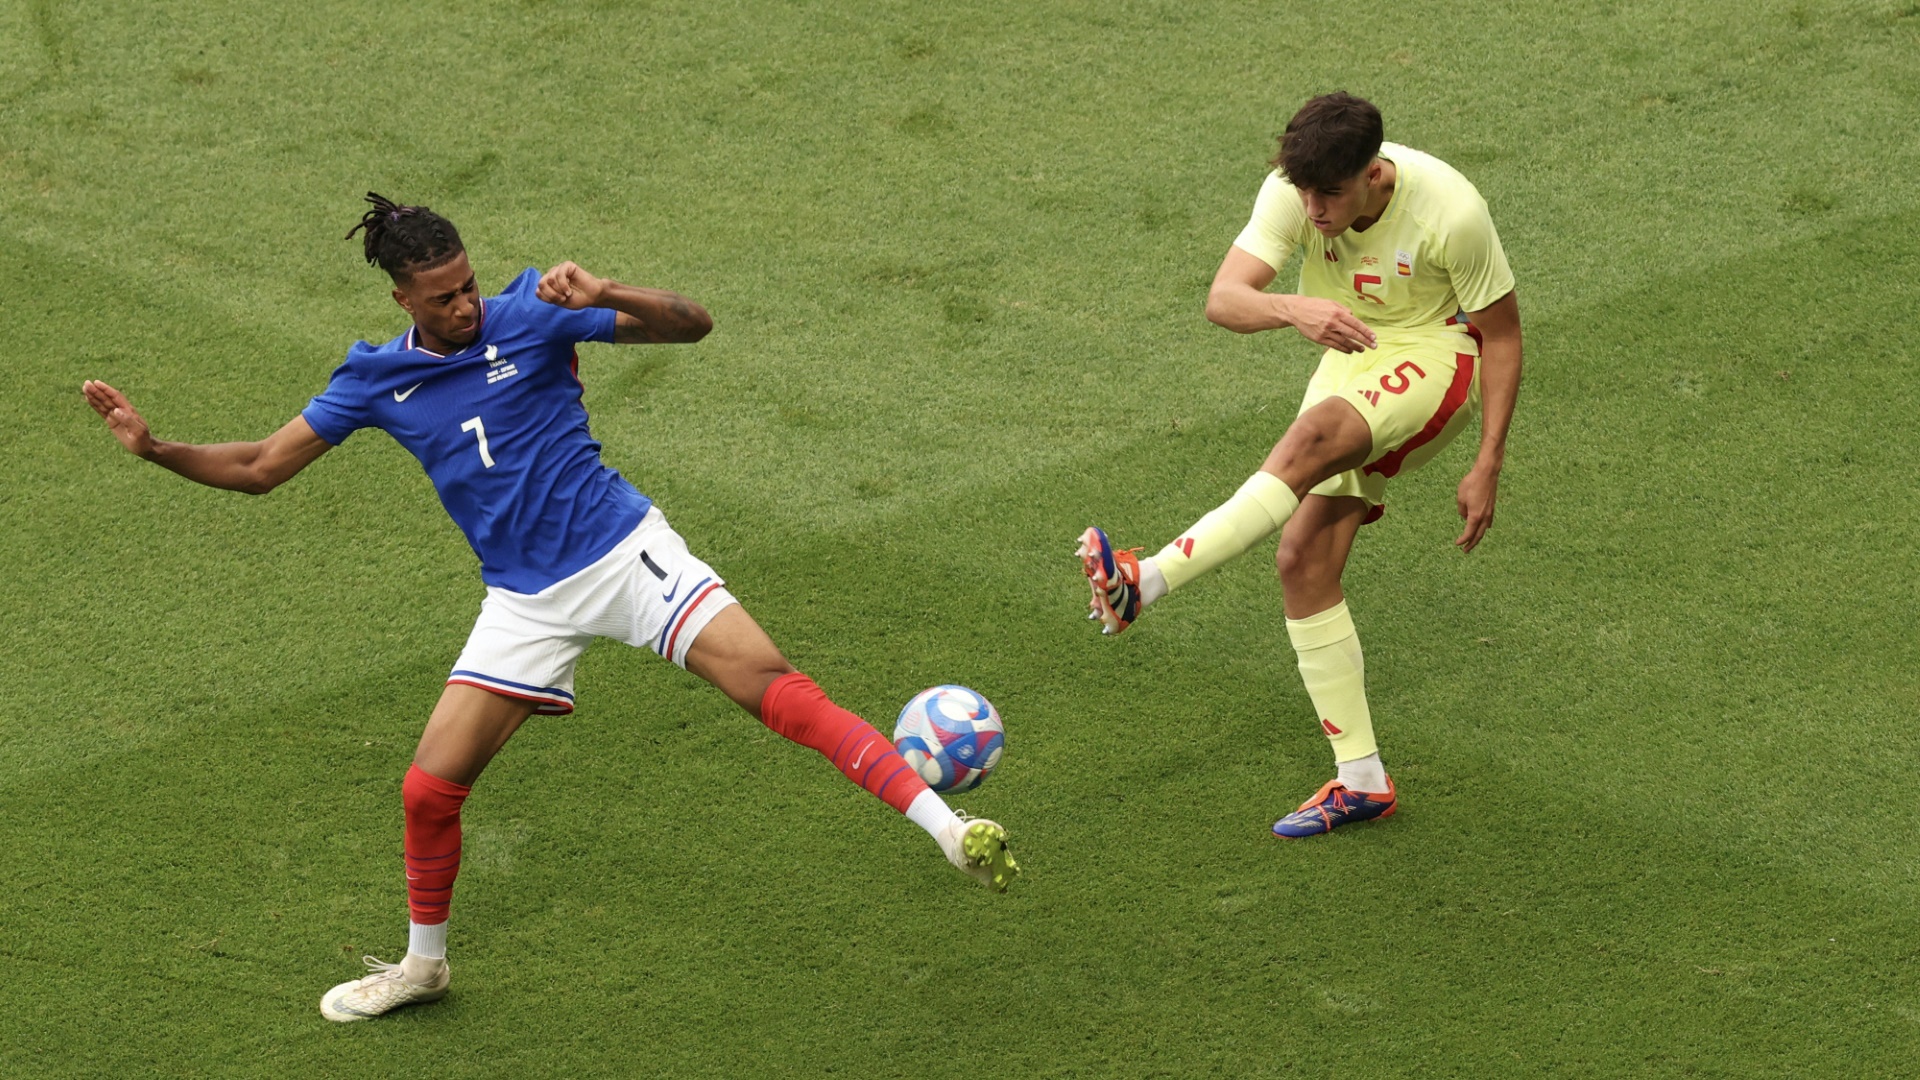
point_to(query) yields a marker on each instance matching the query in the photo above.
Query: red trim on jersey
(688, 614)
(1456, 396)
(1472, 330)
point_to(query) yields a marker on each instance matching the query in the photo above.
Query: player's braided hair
(403, 239)
(1329, 141)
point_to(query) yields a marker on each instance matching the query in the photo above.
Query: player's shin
(1334, 671)
(796, 708)
(433, 861)
(1261, 506)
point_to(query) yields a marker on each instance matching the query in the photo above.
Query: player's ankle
(421, 970)
(951, 838)
(1153, 584)
(929, 811)
(1364, 774)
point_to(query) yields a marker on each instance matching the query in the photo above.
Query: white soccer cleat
(380, 992)
(979, 850)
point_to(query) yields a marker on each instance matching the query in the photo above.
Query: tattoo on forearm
(680, 321)
(664, 317)
(683, 315)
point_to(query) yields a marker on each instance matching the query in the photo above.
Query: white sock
(1364, 774)
(1153, 584)
(427, 941)
(930, 812)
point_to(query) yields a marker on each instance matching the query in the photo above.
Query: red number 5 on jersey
(1360, 283)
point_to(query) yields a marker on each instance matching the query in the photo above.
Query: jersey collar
(411, 345)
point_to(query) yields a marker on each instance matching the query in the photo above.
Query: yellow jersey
(1432, 254)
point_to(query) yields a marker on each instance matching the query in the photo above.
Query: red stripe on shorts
(1389, 465)
(688, 614)
(543, 706)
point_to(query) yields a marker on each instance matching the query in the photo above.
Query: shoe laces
(1336, 800)
(378, 969)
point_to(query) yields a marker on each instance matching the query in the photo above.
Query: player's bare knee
(1321, 443)
(1301, 456)
(1290, 559)
(767, 671)
(749, 678)
(1304, 570)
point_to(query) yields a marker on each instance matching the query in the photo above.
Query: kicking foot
(978, 847)
(1115, 579)
(382, 991)
(1335, 805)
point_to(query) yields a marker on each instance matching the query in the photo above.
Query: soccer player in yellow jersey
(1404, 283)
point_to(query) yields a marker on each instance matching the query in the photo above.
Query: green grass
(1654, 739)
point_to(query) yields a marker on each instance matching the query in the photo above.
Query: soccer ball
(951, 736)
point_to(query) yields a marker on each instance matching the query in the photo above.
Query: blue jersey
(500, 428)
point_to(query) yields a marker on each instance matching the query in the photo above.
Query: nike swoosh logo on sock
(862, 754)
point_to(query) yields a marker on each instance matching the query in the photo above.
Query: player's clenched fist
(568, 286)
(122, 418)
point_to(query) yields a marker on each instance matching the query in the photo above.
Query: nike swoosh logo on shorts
(398, 396)
(668, 598)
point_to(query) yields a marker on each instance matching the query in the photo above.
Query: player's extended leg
(1329, 438)
(734, 654)
(1312, 556)
(467, 728)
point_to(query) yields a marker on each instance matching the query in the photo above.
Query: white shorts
(649, 590)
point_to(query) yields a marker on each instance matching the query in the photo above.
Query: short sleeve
(1475, 261)
(340, 409)
(556, 322)
(1274, 230)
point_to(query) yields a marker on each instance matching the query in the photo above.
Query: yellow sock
(1335, 674)
(1256, 511)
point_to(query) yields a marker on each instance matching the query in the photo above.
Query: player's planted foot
(1115, 579)
(382, 991)
(978, 847)
(1335, 805)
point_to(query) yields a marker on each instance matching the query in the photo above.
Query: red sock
(798, 709)
(433, 842)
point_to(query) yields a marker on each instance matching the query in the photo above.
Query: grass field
(1654, 740)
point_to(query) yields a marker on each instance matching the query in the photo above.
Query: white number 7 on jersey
(480, 431)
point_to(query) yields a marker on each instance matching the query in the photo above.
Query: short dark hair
(1329, 141)
(405, 239)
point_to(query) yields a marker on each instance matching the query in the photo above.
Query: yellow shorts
(1416, 392)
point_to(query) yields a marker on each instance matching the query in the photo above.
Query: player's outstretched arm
(1499, 325)
(253, 467)
(651, 316)
(1239, 301)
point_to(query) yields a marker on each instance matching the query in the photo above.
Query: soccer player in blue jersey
(486, 394)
